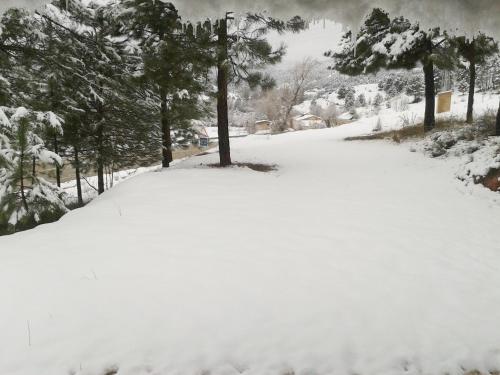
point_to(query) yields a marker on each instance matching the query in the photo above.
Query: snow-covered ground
(399, 112)
(353, 257)
(234, 132)
(89, 184)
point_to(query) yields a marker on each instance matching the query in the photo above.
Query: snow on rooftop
(308, 117)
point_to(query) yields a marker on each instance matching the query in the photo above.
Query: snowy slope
(391, 119)
(353, 257)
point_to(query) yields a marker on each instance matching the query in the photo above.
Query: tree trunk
(58, 169)
(33, 171)
(23, 196)
(166, 138)
(430, 99)
(100, 161)
(21, 182)
(78, 178)
(53, 108)
(222, 82)
(472, 89)
(497, 127)
(100, 177)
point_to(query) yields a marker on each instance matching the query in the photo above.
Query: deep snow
(354, 257)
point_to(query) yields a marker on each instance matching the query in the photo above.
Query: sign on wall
(444, 102)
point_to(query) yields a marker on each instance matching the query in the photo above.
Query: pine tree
(46, 81)
(24, 196)
(377, 101)
(341, 92)
(475, 51)
(361, 100)
(396, 44)
(462, 79)
(415, 88)
(241, 50)
(68, 60)
(115, 115)
(356, 54)
(350, 100)
(166, 47)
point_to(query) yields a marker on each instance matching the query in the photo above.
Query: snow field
(353, 257)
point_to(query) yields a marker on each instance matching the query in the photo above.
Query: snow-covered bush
(350, 100)
(25, 198)
(400, 103)
(343, 91)
(377, 101)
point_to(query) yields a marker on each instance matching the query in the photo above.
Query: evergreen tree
(341, 92)
(361, 100)
(462, 79)
(357, 56)
(46, 79)
(115, 115)
(377, 101)
(475, 51)
(241, 50)
(344, 91)
(25, 197)
(396, 44)
(350, 100)
(69, 61)
(415, 88)
(167, 46)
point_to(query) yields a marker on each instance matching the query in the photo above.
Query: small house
(308, 121)
(262, 126)
(344, 118)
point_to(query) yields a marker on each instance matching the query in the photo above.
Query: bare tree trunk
(78, 178)
(21, 176)
(56, 142)
(222, 82)
(166, 138)
(497, 126)
(290, 107)
(301, 74)
(33, 171)
(430, 99)
(58, 169)
(100, 161)
(472, 89)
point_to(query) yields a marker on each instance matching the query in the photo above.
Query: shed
(308, 121)
(262, 126)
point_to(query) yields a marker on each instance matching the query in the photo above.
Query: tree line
(109, 87)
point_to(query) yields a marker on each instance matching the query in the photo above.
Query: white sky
(314, 42)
